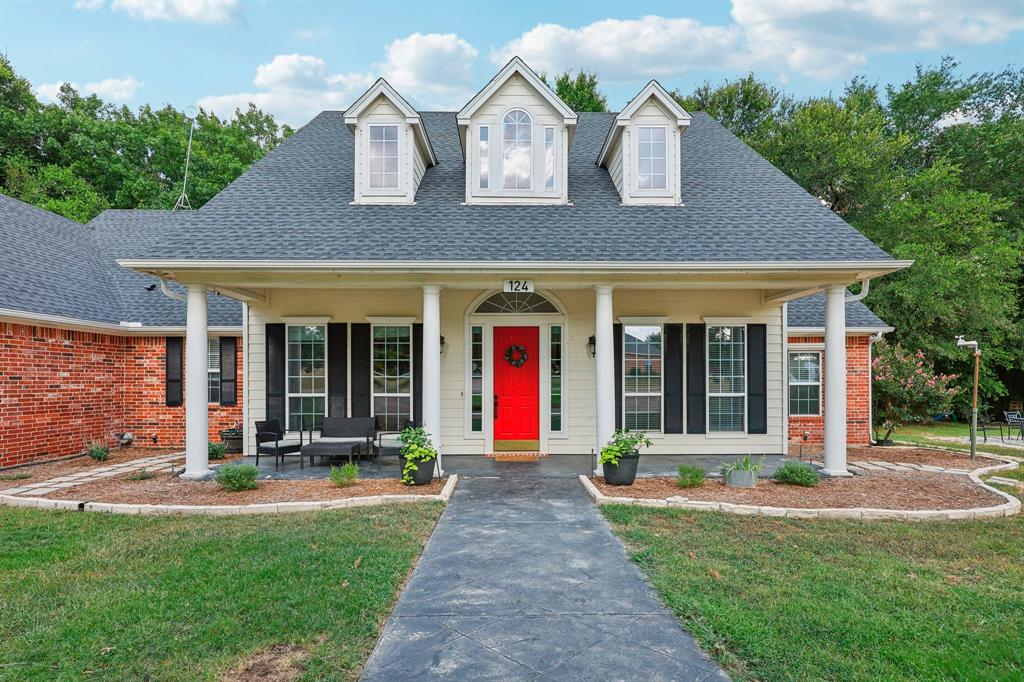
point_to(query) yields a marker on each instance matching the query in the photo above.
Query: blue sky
(297, 58)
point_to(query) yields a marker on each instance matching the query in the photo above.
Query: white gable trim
(383, 89)
(652, 89)
(516, 66)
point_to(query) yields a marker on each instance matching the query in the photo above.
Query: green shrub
(16, 476)
(416, 448)
(623, 442)
(142, 475)
(98, 451)
(797, 473)
(690, 476)
(237, 477)
(216, 450)
(345, 475)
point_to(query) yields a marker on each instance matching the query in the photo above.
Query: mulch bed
(47, 470)
(891, 490)
(165, 489)
(910, 455)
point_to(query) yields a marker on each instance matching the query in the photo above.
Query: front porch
(697, 361)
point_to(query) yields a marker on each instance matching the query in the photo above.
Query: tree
(750, 108)
(81, 155)
(580, 92)
(906, 388)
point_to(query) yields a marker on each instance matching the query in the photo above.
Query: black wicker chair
(270, 440)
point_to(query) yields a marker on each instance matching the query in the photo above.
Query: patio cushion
(340, 439)
(268, 446)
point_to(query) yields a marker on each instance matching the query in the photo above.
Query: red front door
(516, 388)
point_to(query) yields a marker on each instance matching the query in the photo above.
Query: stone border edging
(1011, 507)
(224, 510)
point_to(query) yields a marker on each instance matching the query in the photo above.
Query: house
(514, 276)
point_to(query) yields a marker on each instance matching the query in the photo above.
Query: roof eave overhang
(850, 331)
(856, 269)
(110, 328)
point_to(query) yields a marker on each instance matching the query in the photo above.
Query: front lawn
(938, 433)
(191, 598)
(778, 599)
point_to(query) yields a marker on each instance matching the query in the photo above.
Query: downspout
(872, 340)
(865, 287)
(166, 291)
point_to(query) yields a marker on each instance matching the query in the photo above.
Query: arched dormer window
(517, 150)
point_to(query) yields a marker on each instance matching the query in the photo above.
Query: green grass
(186, 598)
(776, 599)
(930, 434)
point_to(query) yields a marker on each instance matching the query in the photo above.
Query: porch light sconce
(592, 346)
(442, 345)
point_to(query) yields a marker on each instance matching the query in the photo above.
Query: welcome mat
(516, 456)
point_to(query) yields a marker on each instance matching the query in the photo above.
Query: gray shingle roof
(294, 204)
(809, 311)
(55, 266)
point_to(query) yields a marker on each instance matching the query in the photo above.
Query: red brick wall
(61, 389)
(858, 394)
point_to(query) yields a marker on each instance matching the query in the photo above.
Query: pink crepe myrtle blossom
(906, 388)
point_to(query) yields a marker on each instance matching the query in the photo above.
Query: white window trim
(298, 322)
(210, 370)
(661, 430)
(384, 322)
(725, 322)
(795, 349)
(635, 189)
(482, 162)
(384, 191)
(533, 153)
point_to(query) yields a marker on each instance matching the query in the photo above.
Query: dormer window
(517, 149)
(651, 158)
(485, 156)
(384, 156)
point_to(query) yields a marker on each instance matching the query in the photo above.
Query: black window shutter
(617, 331)
(276, 379)
(757, 379)
(695, 379)
(337, 369)
(417, 373)
(228, 370)
(174, 360)
(673, 378)
(361, 370)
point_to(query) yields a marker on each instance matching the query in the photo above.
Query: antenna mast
(183, 202)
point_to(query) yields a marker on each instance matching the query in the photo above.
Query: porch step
(516, 456)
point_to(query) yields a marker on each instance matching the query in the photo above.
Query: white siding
(678, 306)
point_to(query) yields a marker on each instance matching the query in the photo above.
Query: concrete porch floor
(477, 466)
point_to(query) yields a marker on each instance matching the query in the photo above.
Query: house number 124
(518, 286)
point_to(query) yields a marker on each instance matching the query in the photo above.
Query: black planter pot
(233, 443)
(623, 473)
(424, 472)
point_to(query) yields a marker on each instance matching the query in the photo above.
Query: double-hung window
(651, 158)
(307, 376)
(384, 156)
(392, 375)
(517, 150)
(213, 370)
(805, 383)
(641, 366)
(727, 378)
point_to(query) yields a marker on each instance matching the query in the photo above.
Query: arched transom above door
(516, 303)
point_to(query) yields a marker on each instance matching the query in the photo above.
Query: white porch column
(835, 381)
(197, 463)
(432, 366)
(605, 368)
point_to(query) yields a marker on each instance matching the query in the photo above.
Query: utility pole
(974, 400)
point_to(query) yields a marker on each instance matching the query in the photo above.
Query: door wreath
(516, 355)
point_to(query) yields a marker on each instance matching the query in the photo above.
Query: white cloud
(817, 38)
(431, 70)
(117, 89)
(196, 11)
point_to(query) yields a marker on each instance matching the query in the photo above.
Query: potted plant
(232, 439)
(620, 456)
(418, 456)
(742, 473)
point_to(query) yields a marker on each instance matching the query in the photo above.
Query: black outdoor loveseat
(339, 437)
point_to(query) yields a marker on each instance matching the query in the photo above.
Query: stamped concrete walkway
(523, 580)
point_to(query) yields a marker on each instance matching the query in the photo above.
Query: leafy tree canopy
(580, 91)
(81, 155)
